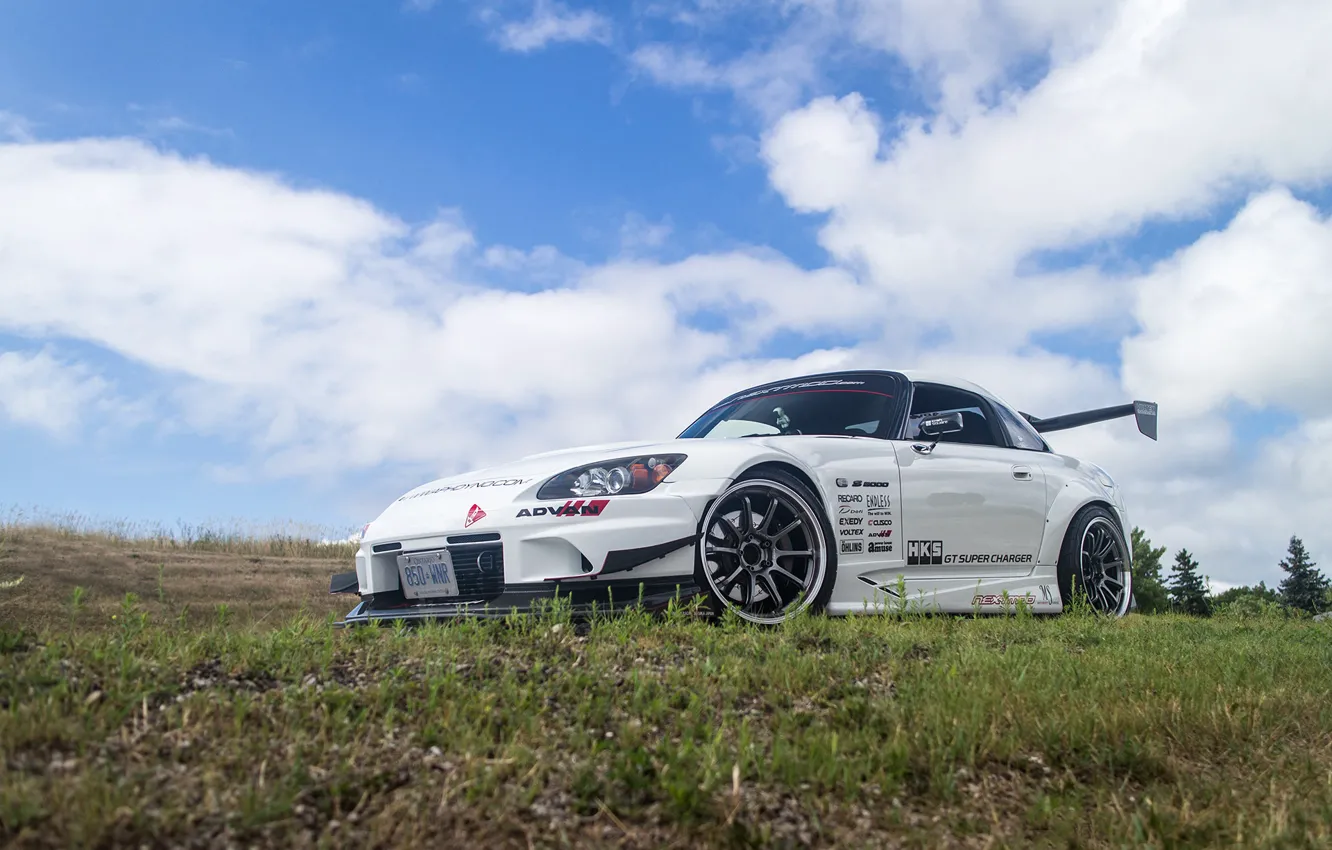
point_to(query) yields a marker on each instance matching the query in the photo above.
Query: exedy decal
(593, 507)
(471, 485)
(850, 520)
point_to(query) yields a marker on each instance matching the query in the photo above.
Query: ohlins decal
(593, 507)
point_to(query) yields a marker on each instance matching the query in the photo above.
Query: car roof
(919, 376)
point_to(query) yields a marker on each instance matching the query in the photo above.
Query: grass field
(164, 720)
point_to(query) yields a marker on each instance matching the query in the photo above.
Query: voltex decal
(473, 515)
(592, 507)
(851, 532)
(925, 552)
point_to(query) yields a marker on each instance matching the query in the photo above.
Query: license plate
(427, 574)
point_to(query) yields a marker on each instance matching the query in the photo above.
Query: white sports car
(845, 492)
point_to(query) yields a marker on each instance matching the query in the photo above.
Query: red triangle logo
(474, 515)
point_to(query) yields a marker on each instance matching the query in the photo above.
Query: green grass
(1150, 731)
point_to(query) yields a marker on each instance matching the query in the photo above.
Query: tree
(1304, 588)
(1188, 591)
(1259, 592)
(1147, 587)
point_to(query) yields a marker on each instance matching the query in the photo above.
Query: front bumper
(584, 599)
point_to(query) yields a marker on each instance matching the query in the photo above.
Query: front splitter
(583, 598)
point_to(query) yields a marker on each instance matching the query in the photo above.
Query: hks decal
(593, 507)
(881, 547)
(849, 520)
(924, 552)
(1046, 595)
(851, 547)
(474, 515)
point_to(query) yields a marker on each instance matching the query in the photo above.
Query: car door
(971, 504)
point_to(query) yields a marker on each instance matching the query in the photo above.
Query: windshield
(835, 412)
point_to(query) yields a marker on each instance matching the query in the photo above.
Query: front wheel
(1095, 561)
(765, 550)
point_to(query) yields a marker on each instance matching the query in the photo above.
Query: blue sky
(771, 187)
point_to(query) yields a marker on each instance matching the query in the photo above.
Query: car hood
(445, 504)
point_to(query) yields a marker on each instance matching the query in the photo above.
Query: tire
(1095, 560)
(779, 563)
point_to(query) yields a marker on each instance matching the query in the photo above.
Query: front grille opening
(487, 537)
(385, 547)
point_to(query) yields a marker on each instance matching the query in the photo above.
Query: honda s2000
(846, 492)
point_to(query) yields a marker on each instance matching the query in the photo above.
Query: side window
(931, 400)
(1020, 431)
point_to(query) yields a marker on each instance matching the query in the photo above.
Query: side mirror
(935, 427)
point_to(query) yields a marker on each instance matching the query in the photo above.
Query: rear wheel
(1095, 561)
(765, 551)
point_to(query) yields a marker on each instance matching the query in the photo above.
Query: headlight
(624, 476)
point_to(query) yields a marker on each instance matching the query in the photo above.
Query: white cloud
(38, 390)
(329, 333)
(551, 22)
(14, 127)
(1242, 314)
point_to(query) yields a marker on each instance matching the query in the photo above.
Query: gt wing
(1142, 411)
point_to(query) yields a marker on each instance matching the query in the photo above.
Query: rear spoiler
(1143, 411)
